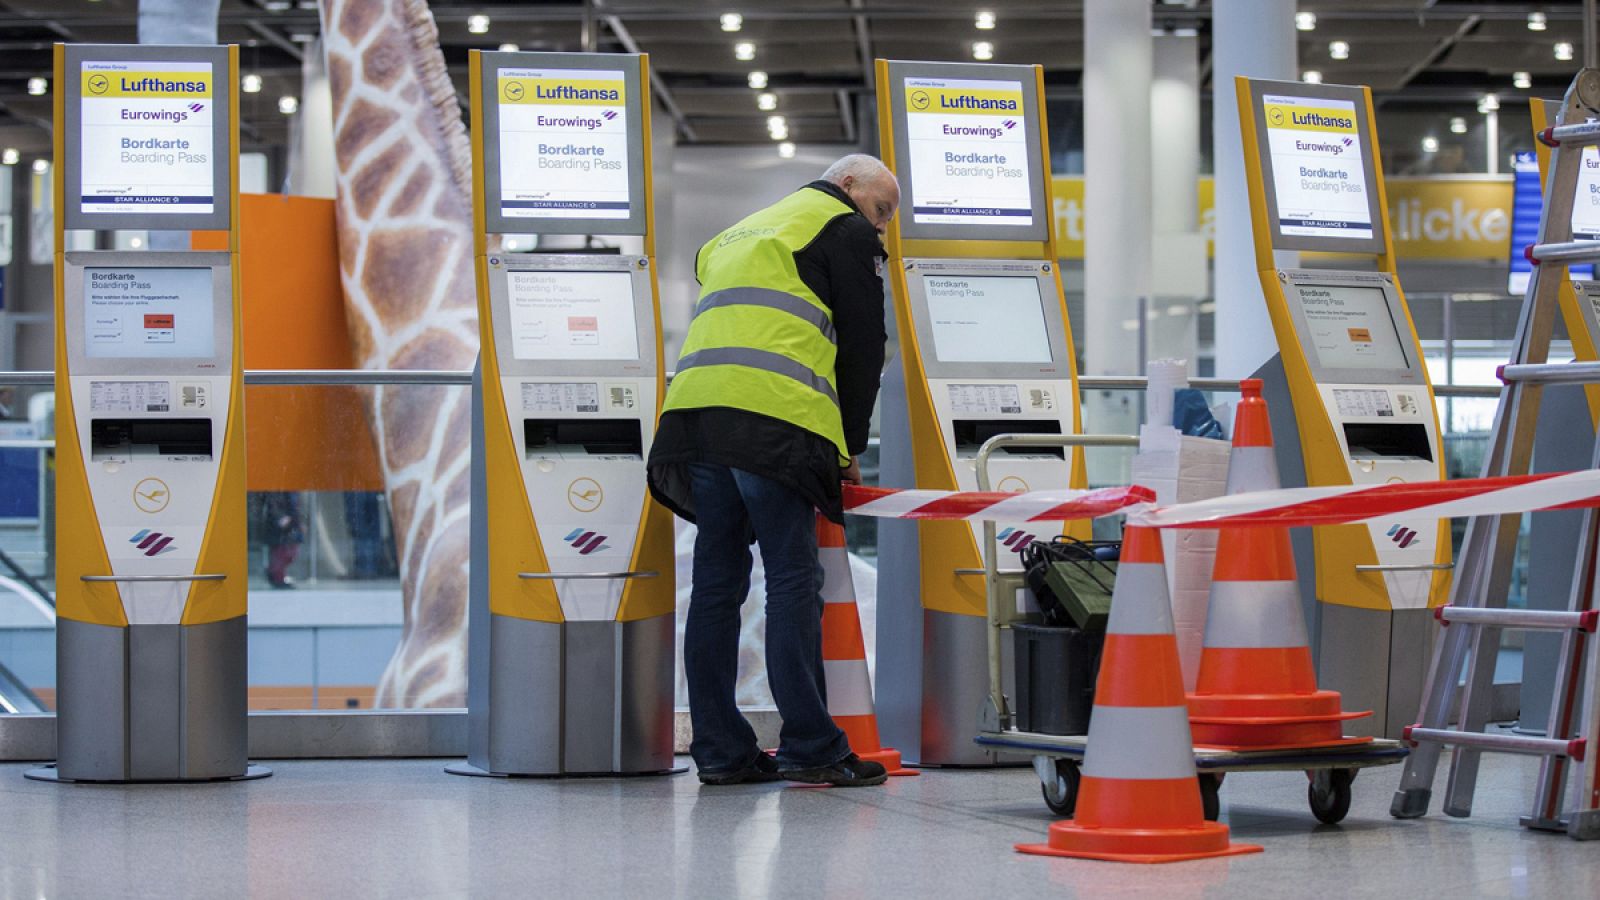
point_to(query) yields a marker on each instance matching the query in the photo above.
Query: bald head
(869, 184)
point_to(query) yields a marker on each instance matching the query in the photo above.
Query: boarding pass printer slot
(971, 434)
(1373, 440)
(571, 438)
(123, 440)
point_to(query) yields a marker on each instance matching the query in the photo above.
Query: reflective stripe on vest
(761, 340)
(765, 360)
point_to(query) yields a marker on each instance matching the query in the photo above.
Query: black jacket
(842, 267)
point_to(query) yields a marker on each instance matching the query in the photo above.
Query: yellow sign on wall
(1441, 218)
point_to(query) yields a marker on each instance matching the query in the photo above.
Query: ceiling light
(1563, 51)
(744, 51)
(10, 156)
(478, 24)
(1458, 125)
(41, 166)
(1489, 103)
(982, 50)
(509, 48)
(984, 21)
(302, 37)
(288, 105)
(1430, 144)
(250, 84)
(1311, 76)
(1537, 21)
(758, 80)
(38, 87)
(1339, 50)
(732, 21)
(786, 149)
(1521, 80)
(276, 5)
(136, 242)
(1305, 21)
(775, 122)
(766, 100)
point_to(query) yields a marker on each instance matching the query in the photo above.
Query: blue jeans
(730, 505)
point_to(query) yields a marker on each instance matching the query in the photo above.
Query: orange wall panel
(297, 438)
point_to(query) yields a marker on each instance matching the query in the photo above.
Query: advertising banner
(563, 143)
(968, 152)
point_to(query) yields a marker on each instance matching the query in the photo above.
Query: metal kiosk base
(151, 704)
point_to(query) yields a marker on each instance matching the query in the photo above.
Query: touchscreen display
(1350, 327)
(148, 313)
(572, 315)
(987, 319)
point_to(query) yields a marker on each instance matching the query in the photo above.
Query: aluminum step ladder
(1476, 615)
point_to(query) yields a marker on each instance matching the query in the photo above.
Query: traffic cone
(1257, 688)
(1139, 799)
(844, 653)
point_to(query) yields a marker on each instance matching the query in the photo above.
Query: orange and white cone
(844, 653)
(1257, 688)
(1139, 799)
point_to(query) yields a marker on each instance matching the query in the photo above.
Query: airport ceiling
(817, 54)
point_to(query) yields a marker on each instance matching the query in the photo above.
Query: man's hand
(851, 474)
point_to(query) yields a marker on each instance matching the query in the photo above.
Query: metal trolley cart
(1057, 758)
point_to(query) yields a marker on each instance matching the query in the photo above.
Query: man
(766, 415)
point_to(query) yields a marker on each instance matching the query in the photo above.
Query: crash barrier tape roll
(1284, 507)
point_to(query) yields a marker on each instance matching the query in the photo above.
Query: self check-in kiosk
(1349, 391)
(150, 470)
(985, 349)
(571, 625)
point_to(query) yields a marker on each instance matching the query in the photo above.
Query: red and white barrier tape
(1285, 507)
(999, 506)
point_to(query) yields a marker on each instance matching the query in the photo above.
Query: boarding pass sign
(147, 137)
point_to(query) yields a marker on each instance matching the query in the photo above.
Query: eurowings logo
(1009, 124)
(1402, 536)
(152, 543)
(197, 107)
(1015, 539)
(1349, 142)
(586, 542)
(609, 114)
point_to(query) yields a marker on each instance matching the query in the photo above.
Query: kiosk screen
(968, 150)
(1351, 327)
(987, 319)
(147, 137)
(1318, 173)
(1586, 206)
(563, 144)
(572, 315)
(148, 313)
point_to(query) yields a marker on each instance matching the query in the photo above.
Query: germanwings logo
(152, 543)
(1015, 539)
(1402, 535)
(586, 542)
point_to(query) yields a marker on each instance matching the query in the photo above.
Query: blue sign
(1527, 201)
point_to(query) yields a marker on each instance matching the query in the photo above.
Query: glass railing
(330, 558)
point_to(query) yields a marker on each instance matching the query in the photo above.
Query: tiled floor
(402, 828)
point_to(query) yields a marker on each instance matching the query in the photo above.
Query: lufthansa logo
(920, 100)
(99, 84)
(514, 91)
(585, 495)
(151, 495)
(1275, 117)
(1011, 484)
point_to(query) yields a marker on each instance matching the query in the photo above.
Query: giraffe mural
(403, 175)
(403, 169)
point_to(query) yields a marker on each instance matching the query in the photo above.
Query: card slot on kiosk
(984, 350)
(1349, 392)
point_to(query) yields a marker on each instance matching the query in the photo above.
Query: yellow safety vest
(760, 340)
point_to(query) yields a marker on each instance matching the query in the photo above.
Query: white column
(1179, 282)
(1254, 38)
(1117, 202)
(310, 170)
